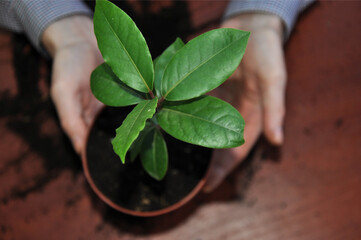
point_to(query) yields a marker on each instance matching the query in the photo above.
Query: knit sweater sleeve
(33, 16)
(287, 10)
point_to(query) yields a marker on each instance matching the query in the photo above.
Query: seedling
(169, 93)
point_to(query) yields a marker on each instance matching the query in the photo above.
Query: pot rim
(154, 213)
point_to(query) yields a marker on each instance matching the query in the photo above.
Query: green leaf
(108, 89)
(154, 155)
(136, 147)
(123, 46)
(203, 64)
(162, 61)
(132, 125)
(205, 121)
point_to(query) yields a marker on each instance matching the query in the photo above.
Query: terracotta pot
(111, 180)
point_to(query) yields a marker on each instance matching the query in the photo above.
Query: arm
(257, 88)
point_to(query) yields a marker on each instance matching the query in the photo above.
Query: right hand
(256, 89)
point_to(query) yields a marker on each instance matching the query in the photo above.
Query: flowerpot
(127, 187)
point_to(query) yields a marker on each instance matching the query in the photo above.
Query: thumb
(223, 161)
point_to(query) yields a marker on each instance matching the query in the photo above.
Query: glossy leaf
(154, 155)
(123, 46)
(162, 61)
(205, 121)
(136, 146)
(132, 125)
(203, 64)
(108, 89)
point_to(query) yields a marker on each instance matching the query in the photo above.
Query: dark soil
(128, 185)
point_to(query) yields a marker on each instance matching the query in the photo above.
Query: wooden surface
(308, 189)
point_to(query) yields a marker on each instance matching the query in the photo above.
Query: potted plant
(170, 103)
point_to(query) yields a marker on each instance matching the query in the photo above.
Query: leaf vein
(198, 66)
(131, 59)
(203, 119)
(137, 119)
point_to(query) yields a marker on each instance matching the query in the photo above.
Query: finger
(91, 110)
(70, 115)
(273, 85)
(274, 112)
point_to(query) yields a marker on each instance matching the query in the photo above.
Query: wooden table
(308, 189)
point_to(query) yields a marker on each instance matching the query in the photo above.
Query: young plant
(169, 93)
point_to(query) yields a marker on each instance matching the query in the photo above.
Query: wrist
(256, 21)
(68, 31)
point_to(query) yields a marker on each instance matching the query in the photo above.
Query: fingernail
(78, 144)
(278, 136)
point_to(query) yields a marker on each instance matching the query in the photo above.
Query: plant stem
(151, 94)
(160, 101)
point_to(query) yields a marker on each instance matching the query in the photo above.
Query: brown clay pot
(111, 180)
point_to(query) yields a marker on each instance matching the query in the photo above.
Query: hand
(256, 89)
(72, 44)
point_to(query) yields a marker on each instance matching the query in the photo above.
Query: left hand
(72, 44)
